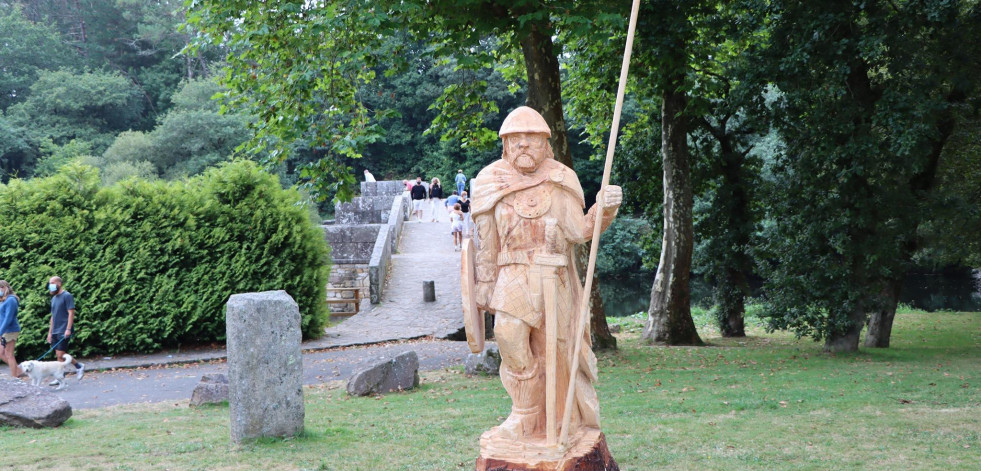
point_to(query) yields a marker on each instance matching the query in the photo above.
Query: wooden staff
(597, 226)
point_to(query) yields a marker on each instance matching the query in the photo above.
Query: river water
(951, 291)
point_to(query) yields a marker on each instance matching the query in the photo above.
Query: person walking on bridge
(436, 198)
(461, 182)
(419, 196)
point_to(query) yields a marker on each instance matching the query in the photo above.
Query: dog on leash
(39, 370)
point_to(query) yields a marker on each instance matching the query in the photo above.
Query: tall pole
(598, 227)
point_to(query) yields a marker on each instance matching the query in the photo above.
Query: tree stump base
(587, 452)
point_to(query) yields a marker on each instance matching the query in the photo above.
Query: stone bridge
(374, 246)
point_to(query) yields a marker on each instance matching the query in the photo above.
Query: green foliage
(26, 49)
(190, 138)
(298, 68)
(198, 95)
(119, 171)
(950, 236)
(53, 156)
(129, 146)
(187, 142)
(621, 251)
(410, 145)
(88, 106)
(151, 264)
(16, 153)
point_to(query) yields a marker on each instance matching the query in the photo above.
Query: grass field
(764, 402)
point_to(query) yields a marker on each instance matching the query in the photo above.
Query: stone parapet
(364, 235)
(352, 243)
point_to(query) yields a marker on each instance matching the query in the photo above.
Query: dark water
(958, 291)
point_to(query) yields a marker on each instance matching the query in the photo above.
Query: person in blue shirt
(62, 322)
(461, 182)
(9, 328)
(453, 199)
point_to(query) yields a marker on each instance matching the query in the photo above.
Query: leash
(54, 346)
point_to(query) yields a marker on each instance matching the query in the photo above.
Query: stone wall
(351, 243)
(351, 275)
(363, 236)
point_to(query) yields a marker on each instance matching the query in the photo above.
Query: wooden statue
(528, 210)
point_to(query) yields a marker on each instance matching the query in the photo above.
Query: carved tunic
(510, 210)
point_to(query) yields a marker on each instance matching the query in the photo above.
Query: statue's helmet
(524, 119)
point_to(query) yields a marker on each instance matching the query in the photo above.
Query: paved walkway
(177, 382)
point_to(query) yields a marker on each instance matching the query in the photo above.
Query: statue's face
(525, 151)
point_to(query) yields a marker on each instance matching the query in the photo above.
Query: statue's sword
(549, 263)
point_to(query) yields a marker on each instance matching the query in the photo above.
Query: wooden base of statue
(587, 452)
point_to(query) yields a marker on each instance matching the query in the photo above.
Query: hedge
(151, 264)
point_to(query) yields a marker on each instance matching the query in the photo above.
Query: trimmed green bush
(151, 264)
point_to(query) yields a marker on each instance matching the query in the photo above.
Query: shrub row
(151, 264)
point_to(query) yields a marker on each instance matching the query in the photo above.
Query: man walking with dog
(62, 321)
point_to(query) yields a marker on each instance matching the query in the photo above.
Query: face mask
(52, 287)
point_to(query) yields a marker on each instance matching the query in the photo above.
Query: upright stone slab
(265, 368)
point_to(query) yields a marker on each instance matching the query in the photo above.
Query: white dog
(38, 370)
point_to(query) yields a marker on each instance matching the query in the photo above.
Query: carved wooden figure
(528, 210)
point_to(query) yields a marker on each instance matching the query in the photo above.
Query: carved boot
(527, 397)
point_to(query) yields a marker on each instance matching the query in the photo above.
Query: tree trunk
(732, 289)
(731, 303)
(847, 341)
(669, 316)
(545, 96)
(545, 88)
(880, 322)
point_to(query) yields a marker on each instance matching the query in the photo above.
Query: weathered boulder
(265, 366)
(397, 374)
(24, 405)
(213, 389)
(486, 363)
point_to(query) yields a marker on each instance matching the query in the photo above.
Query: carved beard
(526, 163)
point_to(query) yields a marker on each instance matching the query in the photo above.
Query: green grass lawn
(764, 402)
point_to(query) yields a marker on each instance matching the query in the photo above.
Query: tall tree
(868, 93)
(668, 35)
(690, 58)
(727, 129)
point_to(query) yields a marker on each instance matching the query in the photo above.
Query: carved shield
(473, 319)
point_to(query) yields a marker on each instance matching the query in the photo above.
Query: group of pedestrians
(456, 206)
(60, 328)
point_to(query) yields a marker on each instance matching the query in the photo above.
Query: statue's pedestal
(587, 451)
